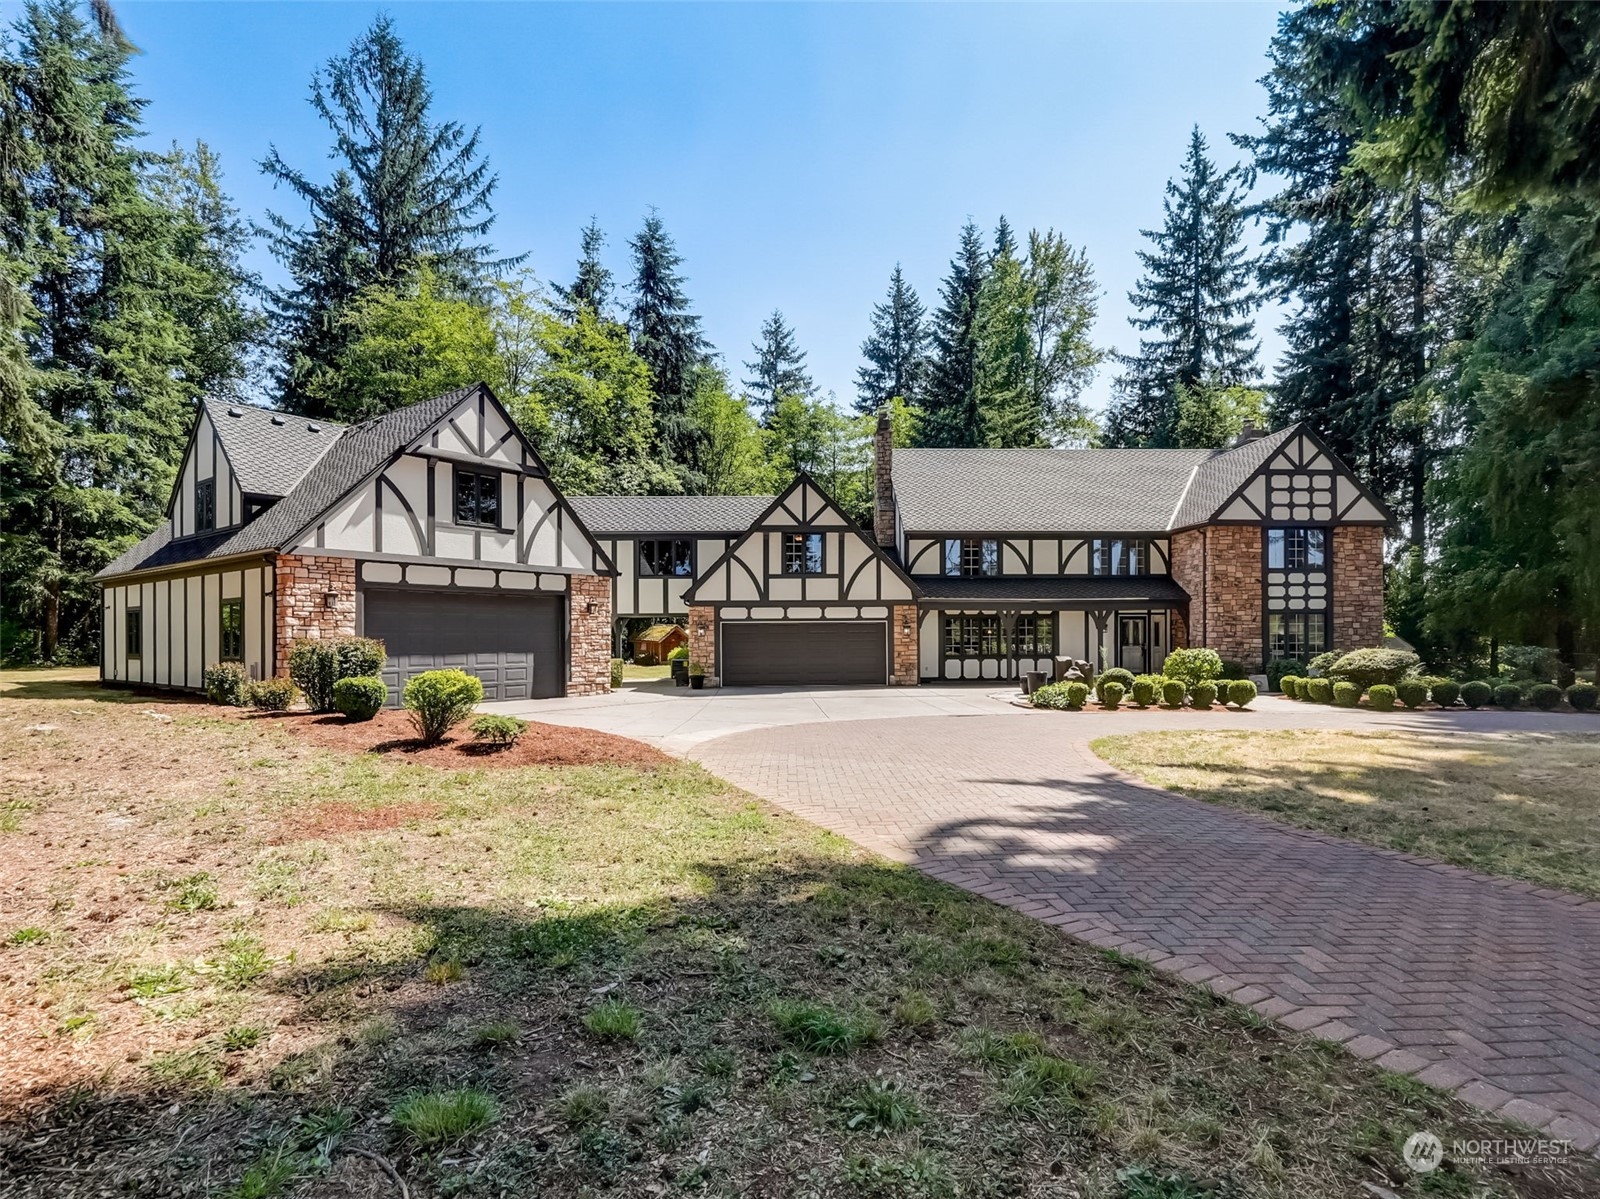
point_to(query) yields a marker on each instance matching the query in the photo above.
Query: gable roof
(1223, 474)
(269, 451)
(602, 514)
(657, 632)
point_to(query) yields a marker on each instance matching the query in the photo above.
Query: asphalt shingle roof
(1156, 590)
(611, 514)
(269, 451)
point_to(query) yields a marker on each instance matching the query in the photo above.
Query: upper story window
(1297, 549)
(1119, 556)
(971, 556)
(205, 505)
(477, 499)
(802, 553)
(133, 632)
(231, 626)
(671, 558)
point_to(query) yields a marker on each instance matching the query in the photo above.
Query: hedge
(1364, 667)
(317, 663)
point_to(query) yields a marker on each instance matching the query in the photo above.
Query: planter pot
(680, 672)
(1032, 680)
(697, 682)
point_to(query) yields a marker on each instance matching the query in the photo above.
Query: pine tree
(591, 287)
(779, 368)
(1195, 296)
(896, 350)
(408, 190)
(951, 413)
(667, 336)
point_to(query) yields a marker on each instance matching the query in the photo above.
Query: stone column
(882, 483)
(589, 635)
(906, 669)
(1357, 587)
(316, 597)
(703, 640)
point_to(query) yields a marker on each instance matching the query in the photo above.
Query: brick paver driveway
(1474, 984)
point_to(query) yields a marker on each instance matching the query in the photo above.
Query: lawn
(1523, 805)
(632, 673)
(237, 964)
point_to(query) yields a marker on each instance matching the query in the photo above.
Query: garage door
(511, 642)
(804, 653)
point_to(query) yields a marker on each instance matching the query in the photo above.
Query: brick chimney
(1250, 432)
(882, 484)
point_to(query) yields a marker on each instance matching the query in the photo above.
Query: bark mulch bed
(391, 732)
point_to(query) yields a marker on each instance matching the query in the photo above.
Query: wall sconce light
(588, 607)
(330, 599)
(905, 624)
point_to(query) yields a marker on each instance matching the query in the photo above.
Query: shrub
(645, 659)
(1051, 695)
(438, 700)
(1583, 696)
(1346, 694)
(1413, 693)
(1241, 693)
(1145, 689)
(359, 698)
(270, 695)
(1531, 663)
(1289, 684)
(1173, 692)
(499, 731)
(1364, 667)
(681, 654)
(1202, 695)
(1507, 696)
(1320, 690)
(697, 670)
(1193, 665)
(1476, 694)
(1232, 669)
(1381, 696)
(440, 1118)
(1111, 694)
(1545, 696)
(225, 683)
(1281, 668)
(316, 664)
(616, 673)
(1123, 678)
(1077, 695)
(1445, 693)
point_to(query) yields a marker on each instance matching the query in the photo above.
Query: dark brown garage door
(511, 642)
(804, 653)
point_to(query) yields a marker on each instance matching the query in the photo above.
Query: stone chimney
(882, 484)
(1250, 432)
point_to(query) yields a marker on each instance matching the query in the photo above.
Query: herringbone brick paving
(1484, 986)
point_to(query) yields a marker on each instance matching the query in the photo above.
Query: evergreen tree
(408, 190)
(733, 446)
(666, 335)
(896, 350)
(951, 414)
(1195, 296)
(779, 368)
(591, 288)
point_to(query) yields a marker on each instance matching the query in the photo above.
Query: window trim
(455, 497)
(805, 571)
(1134, 547)
(222, 629)
(1286, 537)
(639, 560)
(1319, 615)
(133, 617)
(961, 546)
(207, 489)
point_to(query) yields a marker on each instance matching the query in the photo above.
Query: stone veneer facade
(703, 640)
(905, 670)
(303, 584)
(882, 482)
(589, 635)
(1220, 567)
(1357, 587)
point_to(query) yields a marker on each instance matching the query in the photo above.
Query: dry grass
(1523, 805)
(783, 1013)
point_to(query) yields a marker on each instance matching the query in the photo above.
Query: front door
(1133, 643)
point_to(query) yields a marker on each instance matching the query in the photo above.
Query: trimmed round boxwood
(1321, 690)
(1123, 678)
(1144, 690)
(438, 700)
(1507, 696)
(1203, 695)
(1287, 684)
(270, 695)
(1380, 697)
(1241, 693)
(1475, 694)
(1583, 697)
(1445, 693)
(1545, 696)
(359, 698)
(1192, 665)
(1346, 694)
(1111, 693)
(1077, 695)
(1173, 692)
(1413, 693)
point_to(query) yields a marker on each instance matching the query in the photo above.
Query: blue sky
(795, 152)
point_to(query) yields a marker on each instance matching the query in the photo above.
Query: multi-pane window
(971, 556)
(973, 637)
(1297, 634)
(802, 553)
(1119, 556)
(666, 557)
(1297, 548)
(232, 631)
(205, 505)
(133, 624)
(1035, 636)
(477, 498)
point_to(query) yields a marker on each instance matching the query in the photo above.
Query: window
(973, 637)
(1296, 634)
(1035, 636)
(205, 505)
(1116, 556)
(477, 499)
(666, 558)
(232, 626)
(802, 553)
(1297, 549)
(971, 556)
(133, 624)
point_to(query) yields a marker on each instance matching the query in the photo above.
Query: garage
(804, 653)
(511, 642)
